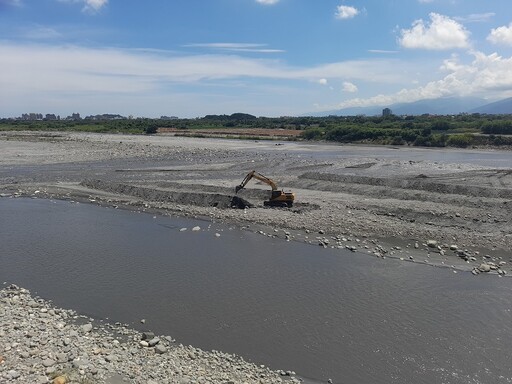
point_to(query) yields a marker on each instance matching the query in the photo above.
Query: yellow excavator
(277, 198)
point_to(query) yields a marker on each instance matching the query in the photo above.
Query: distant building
(74, 116)
(386, 112)
(50, 117)
(32, 116)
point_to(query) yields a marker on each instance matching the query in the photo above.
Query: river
(323, 313)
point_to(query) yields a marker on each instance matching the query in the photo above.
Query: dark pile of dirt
(178, 197)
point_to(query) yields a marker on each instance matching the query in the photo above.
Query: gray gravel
(40, 343)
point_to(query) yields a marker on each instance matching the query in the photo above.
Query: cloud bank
(441, 34)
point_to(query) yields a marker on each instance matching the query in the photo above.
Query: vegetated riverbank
(40, 343)
(441, 207)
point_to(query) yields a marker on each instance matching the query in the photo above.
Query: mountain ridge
(440, 106)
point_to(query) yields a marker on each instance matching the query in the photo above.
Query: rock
(60, 380)
(86, 328)
(432, 243)
(196, 228)
(62, 358)
(160, 349)
(453, 247)
(484, 268)
(80, 363)
(40, 380)
(147, 335)
(154, 341)
(144, 343)
(13, 375)
(110, 358)
(48, 363)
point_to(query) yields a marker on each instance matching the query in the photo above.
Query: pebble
(48, 363)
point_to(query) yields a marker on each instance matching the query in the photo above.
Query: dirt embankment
(453, 214)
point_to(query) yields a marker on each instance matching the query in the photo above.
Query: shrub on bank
(461, 141)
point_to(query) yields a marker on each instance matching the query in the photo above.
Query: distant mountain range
(441, 106)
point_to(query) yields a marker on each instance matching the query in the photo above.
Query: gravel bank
(43, 344)
(387, 202)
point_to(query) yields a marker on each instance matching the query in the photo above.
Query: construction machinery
(278, 198)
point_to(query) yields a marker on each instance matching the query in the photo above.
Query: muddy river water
(320, 312)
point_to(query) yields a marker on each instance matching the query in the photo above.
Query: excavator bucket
(237, 188)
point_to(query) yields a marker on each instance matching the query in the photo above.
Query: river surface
(320, 312)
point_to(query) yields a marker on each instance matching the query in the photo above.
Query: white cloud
(384, 51)
(267, 2)
(41, 33)
(70, 75)
(425, 1)
(501, 35)
(89, 6)
(349, 87)
(476, 17)
(87, 65)
(237, 47)
(442, 33)
(47, 77)
(94, 5)
(344, 12)
(486, 75)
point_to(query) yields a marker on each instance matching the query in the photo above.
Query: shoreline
(40, 344)
(429, 252)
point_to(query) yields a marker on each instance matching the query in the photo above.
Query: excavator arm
(257, 176)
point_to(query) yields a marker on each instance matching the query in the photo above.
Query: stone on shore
(432, 243)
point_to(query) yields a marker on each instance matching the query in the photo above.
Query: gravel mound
(201, 199)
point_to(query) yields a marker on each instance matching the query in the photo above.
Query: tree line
(426, 130)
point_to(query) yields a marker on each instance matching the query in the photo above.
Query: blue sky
(190, 58)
